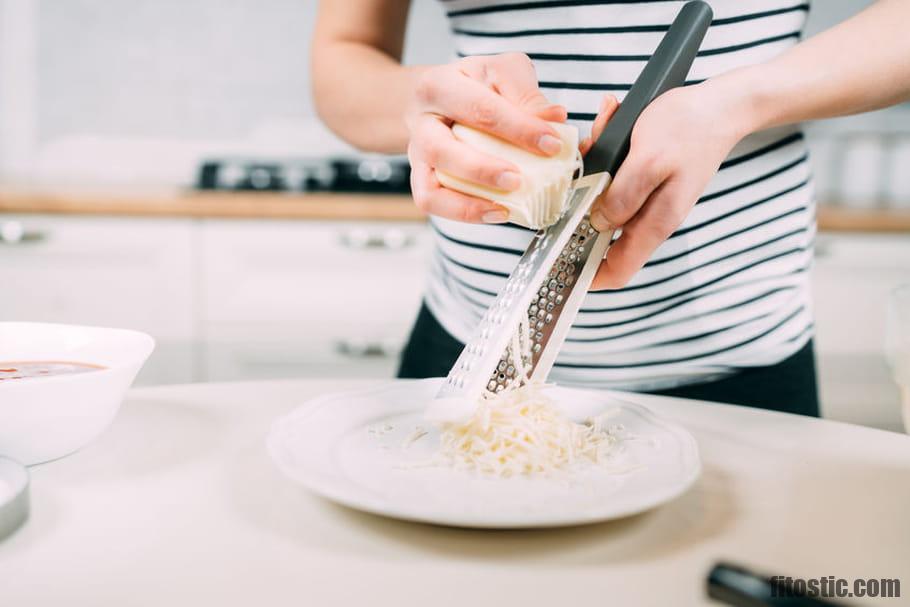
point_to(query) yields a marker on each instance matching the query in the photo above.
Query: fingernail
(508, 180)
(495, 217)
(600, 222)
(549, 144)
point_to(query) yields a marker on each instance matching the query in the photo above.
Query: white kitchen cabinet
(852, 278)
(308, 299)
(224, 299)
(128, 273)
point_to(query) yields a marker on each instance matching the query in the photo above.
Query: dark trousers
(788, 386)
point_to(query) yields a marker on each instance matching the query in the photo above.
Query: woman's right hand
(497, 94)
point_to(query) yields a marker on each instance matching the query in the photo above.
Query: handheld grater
(553, 275)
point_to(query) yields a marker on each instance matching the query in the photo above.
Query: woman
(706, 293)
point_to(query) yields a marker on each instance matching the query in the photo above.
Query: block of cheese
(540, 199)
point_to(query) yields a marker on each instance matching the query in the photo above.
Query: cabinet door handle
(392, 240)
(13, 232)
(357, 348)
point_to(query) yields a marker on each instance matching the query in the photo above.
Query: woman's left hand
(677, 146)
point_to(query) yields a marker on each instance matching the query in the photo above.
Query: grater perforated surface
(546, 288)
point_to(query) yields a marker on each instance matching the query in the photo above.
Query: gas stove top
(378, 175)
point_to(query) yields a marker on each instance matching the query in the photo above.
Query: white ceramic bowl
(48, 417)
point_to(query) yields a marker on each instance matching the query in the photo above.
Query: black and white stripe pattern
(729, 288)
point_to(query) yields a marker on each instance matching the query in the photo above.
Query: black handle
(735, 585)
(666, 69)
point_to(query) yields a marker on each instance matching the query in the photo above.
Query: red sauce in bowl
(25, 369)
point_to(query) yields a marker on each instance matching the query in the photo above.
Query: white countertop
(178, 504)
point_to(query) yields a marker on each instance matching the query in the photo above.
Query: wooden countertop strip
(351, 207)
(227, 205)
(836, 218)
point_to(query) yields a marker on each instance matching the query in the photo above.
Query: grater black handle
(666, 69)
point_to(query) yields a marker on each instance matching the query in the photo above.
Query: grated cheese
(520, 430)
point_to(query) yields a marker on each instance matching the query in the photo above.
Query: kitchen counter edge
(832, 217)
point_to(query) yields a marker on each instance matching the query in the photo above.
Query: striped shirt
(729, 289)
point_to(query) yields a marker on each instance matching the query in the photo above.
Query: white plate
(350, 448)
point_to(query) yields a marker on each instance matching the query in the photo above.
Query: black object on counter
(735, 585)
(207, 178)
(371, 175)
(368, 175)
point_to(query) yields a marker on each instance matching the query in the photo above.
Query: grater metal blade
(547, 288)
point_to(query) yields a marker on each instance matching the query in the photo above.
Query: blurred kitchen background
(153, 155)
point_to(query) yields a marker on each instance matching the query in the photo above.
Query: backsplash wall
(171, 68)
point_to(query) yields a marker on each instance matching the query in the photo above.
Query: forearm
(361, 94)
(360, 87)
(860, 65)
